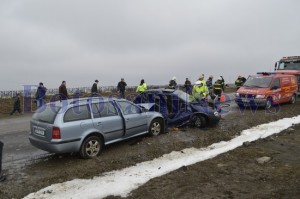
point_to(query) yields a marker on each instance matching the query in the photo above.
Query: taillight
(55, 133)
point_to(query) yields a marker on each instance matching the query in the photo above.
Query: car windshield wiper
(260, 86)
(254, 86)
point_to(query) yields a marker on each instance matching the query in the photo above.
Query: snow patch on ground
(122, 182)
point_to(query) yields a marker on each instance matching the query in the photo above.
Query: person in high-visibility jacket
(202, 80)
(142, 87)
(198, 92)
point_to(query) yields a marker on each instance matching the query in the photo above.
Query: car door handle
(127, 119)
(99, 123)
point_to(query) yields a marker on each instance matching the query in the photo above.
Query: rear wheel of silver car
(156, 127)
(91, 147)
(293, 99)
(198, 121)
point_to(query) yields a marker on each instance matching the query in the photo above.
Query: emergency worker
(239, 82)
(218, 87)
(201, 79)
(198, 92)
(203, 82)
(173, 83)
(142, 87)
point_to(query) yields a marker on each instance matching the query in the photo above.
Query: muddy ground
(235, 174)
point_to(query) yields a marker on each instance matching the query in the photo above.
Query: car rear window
(48, 115)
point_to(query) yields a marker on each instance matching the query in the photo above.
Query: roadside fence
(71, 91)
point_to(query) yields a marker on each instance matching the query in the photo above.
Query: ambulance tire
(269, 103)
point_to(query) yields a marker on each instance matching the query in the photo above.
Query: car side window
(128, 108)
(95, 111)
(276, 83)
(105, 109)
(77, 113)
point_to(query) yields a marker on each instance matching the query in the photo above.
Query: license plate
(39, 131)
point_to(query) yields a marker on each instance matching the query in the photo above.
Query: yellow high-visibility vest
(198, 92)
(141, 88)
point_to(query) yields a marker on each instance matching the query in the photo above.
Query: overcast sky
(82, 40)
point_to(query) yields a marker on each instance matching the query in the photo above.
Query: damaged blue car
(177, 108)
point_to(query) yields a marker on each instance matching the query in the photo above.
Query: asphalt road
(14, 134)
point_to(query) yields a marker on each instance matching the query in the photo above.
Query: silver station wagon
(86, 125)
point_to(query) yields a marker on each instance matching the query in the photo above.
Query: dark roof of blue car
(161, 90)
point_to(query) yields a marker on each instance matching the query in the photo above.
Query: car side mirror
(143, 110)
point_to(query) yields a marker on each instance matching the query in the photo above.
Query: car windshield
(182, 95)
(258, 81)
(46, 115)
(289, 65)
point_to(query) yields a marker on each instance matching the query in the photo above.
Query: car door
(287, 88)
(277, 91)
(135, 119)
(107, 120)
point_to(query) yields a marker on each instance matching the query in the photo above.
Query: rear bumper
(56, 147)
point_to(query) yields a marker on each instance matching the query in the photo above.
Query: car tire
(198, 121)
(156, 127)
(293, 99)
(91, 147)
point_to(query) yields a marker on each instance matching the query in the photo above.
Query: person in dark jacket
(121, 88)
(2, 177)
(94, 89)
(17, 105)
(40, 95)
(188, 86)
(63, 93)
(209, 84)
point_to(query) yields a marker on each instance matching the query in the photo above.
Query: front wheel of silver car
(91, 147)
(156, 127)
